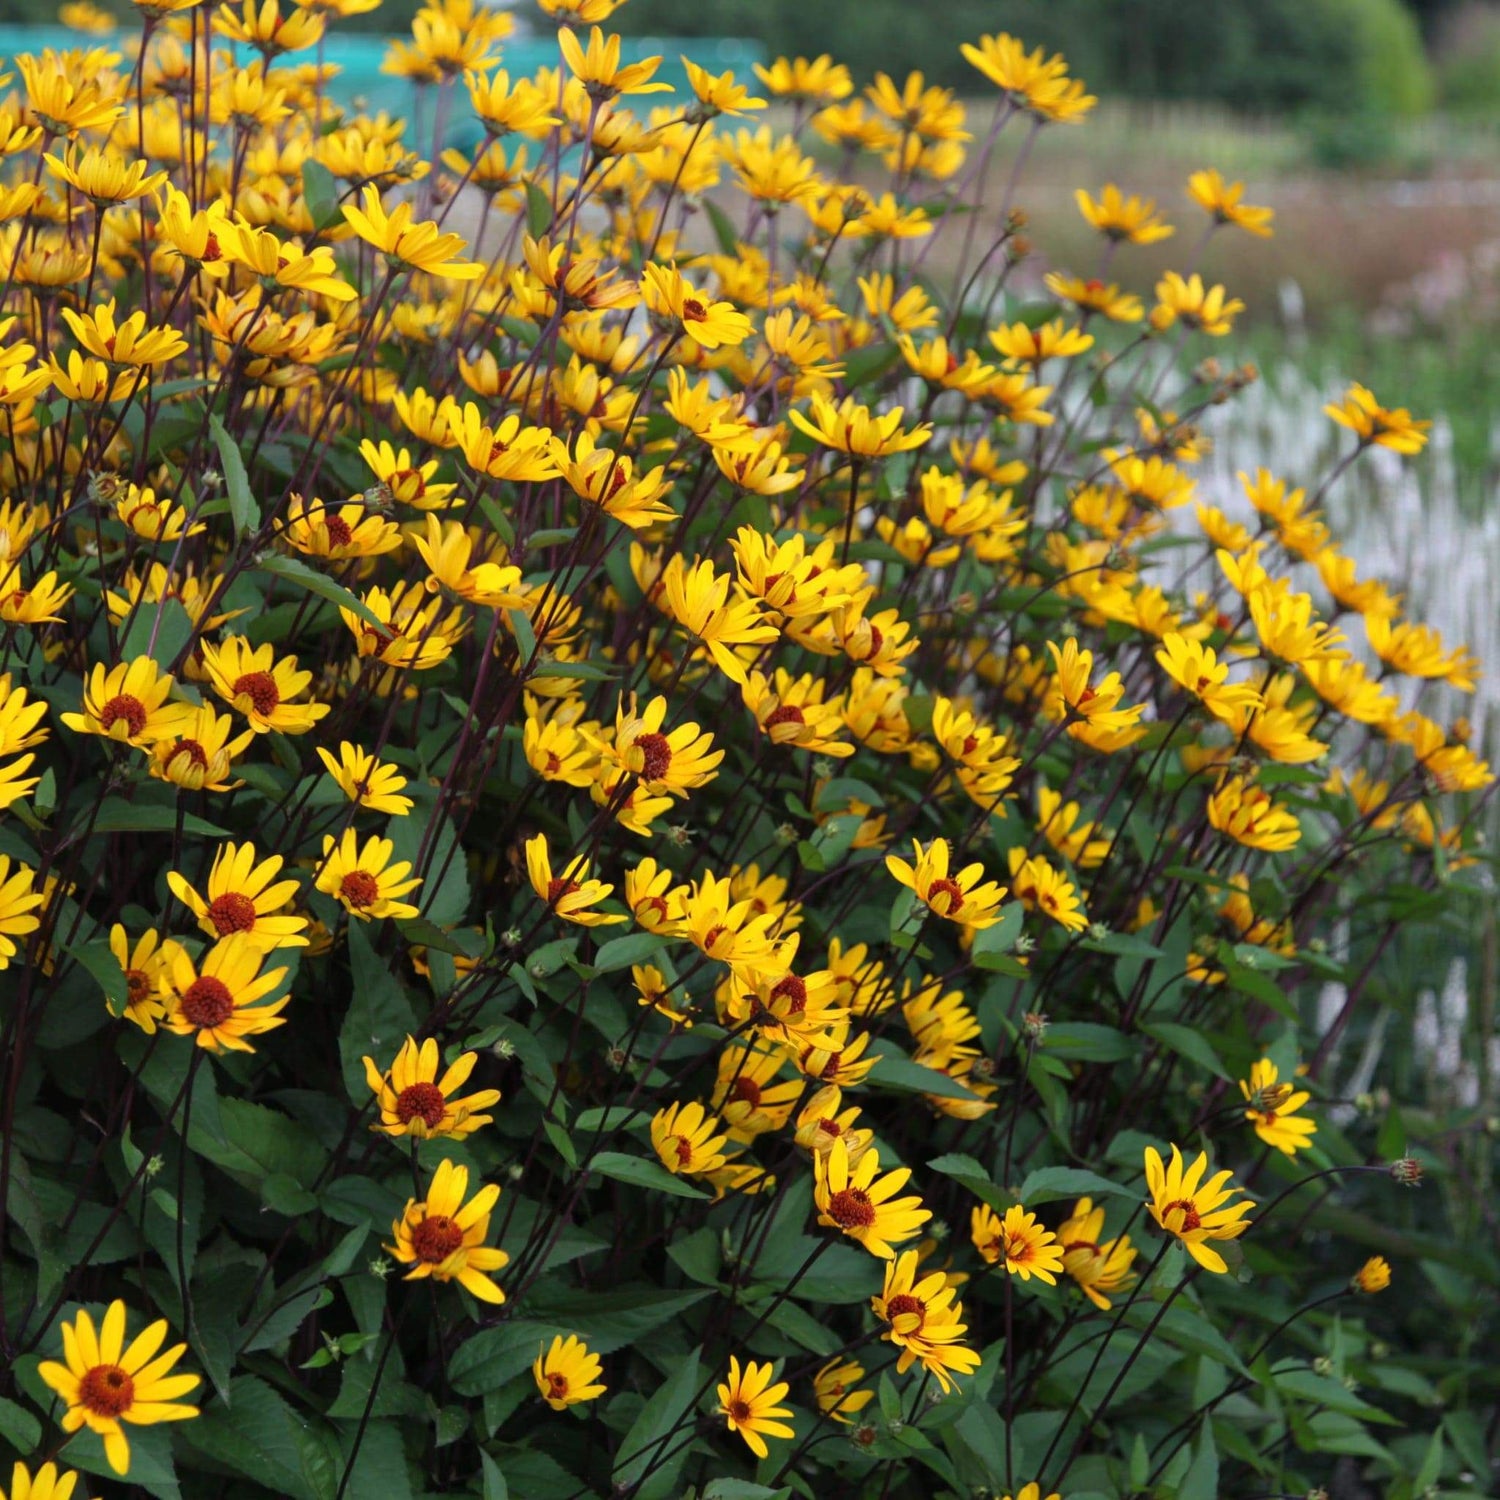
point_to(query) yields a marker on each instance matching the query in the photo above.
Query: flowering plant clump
(607, 741)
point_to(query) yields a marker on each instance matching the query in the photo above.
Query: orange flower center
(435, 1239)
(693, 311)
(231, 912)
(851, 1209)
(557, 1386)
(107, 1391)
(949, 888)
(260, 688)
(137, 986)
(192, 749)
(746, 1090)
(656, 755)
(557, 889)
(359, 888)
(422, 1101)
(794, 990)
(124, 706)
(340, 532)
(904, 1305)
(739, 1410)
(207, 1002)
(787, 713)
(1190, 1219)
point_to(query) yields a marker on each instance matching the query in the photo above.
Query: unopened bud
(679, 835)
(1323, 1365)
(380, 1267)
(1025, 943)
(615, 1059)
(504, 1049)
(787, 835)
(1034, 1027)
(1407, 1171)
(1098, 931)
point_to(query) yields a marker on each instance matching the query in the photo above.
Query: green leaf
(645, 1448)
(320, 189)
(724, 231)
(101, 962)
(1187, 1041)
(294, 570)
(607, 1321)
(538, 211)
(993, 942)
(633, 948)
(1049, 1183)
(258, 1436)
(490, 1358)
(119, 816)
(909, 1077)
(243, 509)
(495, 1487)
(1087, 1041)
(19, 1429)
(380, 1015)
(639, 1172)
(160, 631)
(1201, 1482)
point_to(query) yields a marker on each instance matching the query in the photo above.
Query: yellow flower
(19, 901)
(63, 103)
(1207, 310)
(1272, 1106)
(1374, 1276)
(1195, 1213)
(147, 964)
(263, 27)
(1099, 1266)
(599, 70)
(1116, 217)
(509, 450)
(366, 781)
(671, 762)
(717, 94)
(571, 894)
(1040, 886)
(698, 599)
(49, 1482)
(1030, 80)
(103, 1383)
(854, 429)
(567, 1373)
(1194, 667)
(1092, 710)
(242, 899)
(283, 263)
(197, 749)
(260, 687)
(819, 80)
(407, 245)
(656, 904)
(218, 1002)
(1027, 345)
(748, 1403)
(102, 177)
(1032, 1491)
(157, 520)
(706, 322)
(1417, 650)
(442, 1237)
(795, 713)
(831, 1390)
(1394, 427)
(1095, 296)
(414, 1101)
(363, 880)
(1018, 1242)
(129, 343)
(960, 898)
(126, 702)
(1247, 814)
(608, 479)
(1221, 200)
(37, 605)
(858, 1202)
(923, 1321)
(683, 1135)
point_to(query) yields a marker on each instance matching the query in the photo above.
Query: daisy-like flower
(126, 702)
(567, 1373)
(1032, 1491)
(1021, 1244)
(364, 880)
(1386, 427)
(242, 899)
(1194, 667)
(1245, 812)
(19, 900)
(1222, 202)
(1374, 1276)
(683, 1135)
(260, 687)
(599, 70)
(1041, 887)
(104, 1383)
(1271, 1107)
(197, 749)
(129, 343)
(923, 1321)
(48, 1483)
(222, 1000)
(656, 902)
(442, 1237)
(571, 895)
(1193, 1210)
(964, 897)
(1098, 1266)
(857, 1201)
(855, 429)
(365, 780)
(748, 1401)
(698, 599)
(834, 1393)
(671, 762)
(147, 964)
(413, 1099)
(1116, 217)
(407, 245)
(1205, 309)
(704, 321)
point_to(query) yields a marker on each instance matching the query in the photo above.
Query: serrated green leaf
(243, 509)
(639, 1172)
